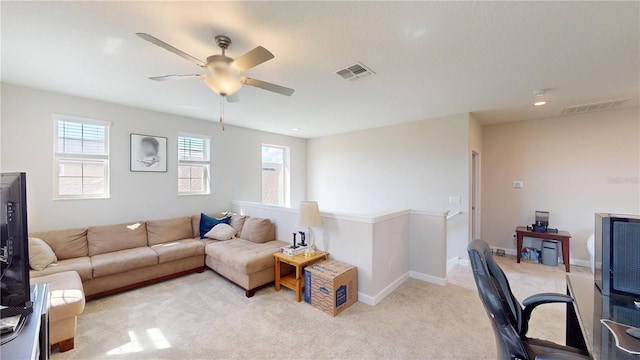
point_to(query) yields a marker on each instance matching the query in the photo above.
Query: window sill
(106, 197)
(193, 194)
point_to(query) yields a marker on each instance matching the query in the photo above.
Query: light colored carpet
(202, 316)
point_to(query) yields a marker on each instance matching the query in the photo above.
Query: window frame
(205, 163)
(62, 156)
(286, 175)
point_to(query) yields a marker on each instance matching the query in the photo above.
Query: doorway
(475, 196)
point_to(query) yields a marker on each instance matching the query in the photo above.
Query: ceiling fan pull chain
(222, 112)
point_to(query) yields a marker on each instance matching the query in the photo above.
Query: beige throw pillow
(221, 232)
(257, 230)
(40, 254)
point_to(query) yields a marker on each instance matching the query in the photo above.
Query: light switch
(454, 200)
(518, 184)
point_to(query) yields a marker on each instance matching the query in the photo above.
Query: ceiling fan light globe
(224, 85)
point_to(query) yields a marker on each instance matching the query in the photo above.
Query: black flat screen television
(15, 294)
(617, 254)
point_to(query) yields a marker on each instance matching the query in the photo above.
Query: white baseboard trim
(366, 299)
(452, 262)
(572, 261)
(578, 262)
(373, 300)
(464, 262)
(427, 278)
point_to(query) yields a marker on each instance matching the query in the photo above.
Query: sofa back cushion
(258, 230)
(195, 223)
(237, 222)
(67, 244)
(110, 238)
(162, 231)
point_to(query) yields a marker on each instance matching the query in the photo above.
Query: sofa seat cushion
(81, 265)
(177, 250)
(118, 262)
(244, 256)
(66, 295)
(163, 231)
(110, 238)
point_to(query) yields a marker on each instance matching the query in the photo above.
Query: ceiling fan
(225, 76)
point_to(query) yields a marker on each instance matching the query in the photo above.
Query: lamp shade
(309, 215)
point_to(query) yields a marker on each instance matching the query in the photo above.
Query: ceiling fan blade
(253, 58)
(269, 86)
(175, 77)
(170, 48)
(232, 98)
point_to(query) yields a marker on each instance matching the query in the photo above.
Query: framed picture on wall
(148, 153)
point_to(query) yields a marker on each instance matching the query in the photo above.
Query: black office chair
(509, 319)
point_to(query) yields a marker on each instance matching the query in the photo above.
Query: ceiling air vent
(603, 105)
(355, 72)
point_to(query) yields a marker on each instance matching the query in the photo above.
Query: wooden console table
(295, 281)
(562, 236)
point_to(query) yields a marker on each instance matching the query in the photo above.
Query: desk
(584, 329)
(562, 236)
(295, 281)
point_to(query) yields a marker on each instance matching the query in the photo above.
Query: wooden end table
(295, 281)
(562, 236)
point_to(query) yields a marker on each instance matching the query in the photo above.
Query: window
(275, 175)
(193, 164)
(81, 158)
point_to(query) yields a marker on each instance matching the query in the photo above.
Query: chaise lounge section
(66, 302)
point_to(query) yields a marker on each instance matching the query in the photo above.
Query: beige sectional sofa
(118, 257)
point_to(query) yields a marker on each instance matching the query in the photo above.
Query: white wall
(572, 166)
(387, 248)
(390, 252)
(350, 239)
(416, 165)
(27, 145)
(428, 246)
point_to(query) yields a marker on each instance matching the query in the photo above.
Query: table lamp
(309, 217)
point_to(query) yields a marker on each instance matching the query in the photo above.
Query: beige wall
(572, 166)
(410, 166)
(236, 162)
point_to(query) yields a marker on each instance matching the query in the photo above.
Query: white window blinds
(81, 158)
(193, 164)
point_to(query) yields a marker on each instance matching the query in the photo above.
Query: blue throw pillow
(207, 223)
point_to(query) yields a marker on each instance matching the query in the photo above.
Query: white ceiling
(431, 58)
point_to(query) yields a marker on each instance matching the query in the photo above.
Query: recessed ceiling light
(295, 129)
(539, 103)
